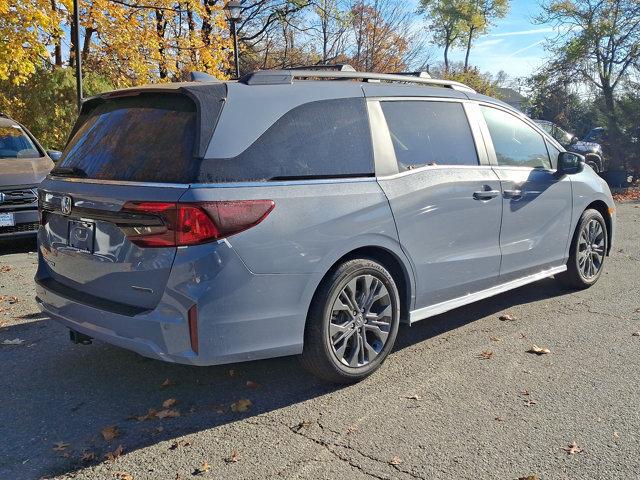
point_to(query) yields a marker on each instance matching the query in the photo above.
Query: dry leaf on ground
(507, 318)
(572, 448)
(538, 350)
(15, 341)
(168, 413)
(169, 402)
(530, 477)
(495, 339)
(414, 397)
(233, 458)
(5, 268)
(204, 468)
(151, 413)
(303, 424)
(60, 446)
(113, 456)
(124, 476)
(252, 384)
(167, 383)
(179, 443)
(241, 406)
(88, 456)
(395, 461)
(486, 354)
(110, 432)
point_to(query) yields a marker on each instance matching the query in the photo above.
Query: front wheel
(588, 251)
(353, 322)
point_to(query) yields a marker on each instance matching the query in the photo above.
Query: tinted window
(14, 143)
(147, 138)
(429, 132)
(515, 142)
(328, 138)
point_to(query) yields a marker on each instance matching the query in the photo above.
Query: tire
(578, 275)
(333, 342)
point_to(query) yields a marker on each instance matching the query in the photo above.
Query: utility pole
(78, 54)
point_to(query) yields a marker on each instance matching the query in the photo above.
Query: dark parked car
(591, 150)
(23, 165)
(296, 212)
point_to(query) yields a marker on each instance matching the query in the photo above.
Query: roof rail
(202, 77)
(413, 74)
(283, 77)
(334, 68)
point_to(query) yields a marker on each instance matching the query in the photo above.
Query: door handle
(486, 194)
(515, 194)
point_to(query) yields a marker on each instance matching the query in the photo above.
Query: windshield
(564, 138)
(15, 143)
(146, 138)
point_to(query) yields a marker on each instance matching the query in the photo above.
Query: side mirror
(574, 140)
(570, 163)
(54, 155)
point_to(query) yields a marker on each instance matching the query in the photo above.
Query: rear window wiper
(69, 172)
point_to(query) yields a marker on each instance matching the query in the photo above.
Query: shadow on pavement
(17, 245)
(58, 392)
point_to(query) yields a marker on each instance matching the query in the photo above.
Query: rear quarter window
(322, 139)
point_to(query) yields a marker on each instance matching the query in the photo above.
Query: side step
(81, 338)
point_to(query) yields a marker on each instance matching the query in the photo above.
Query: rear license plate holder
(81, 235)
(7, 219)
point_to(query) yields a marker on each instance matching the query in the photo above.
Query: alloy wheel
(591, 249)
(361, 319)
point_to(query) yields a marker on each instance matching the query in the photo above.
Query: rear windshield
(14, 143)
(146, 138)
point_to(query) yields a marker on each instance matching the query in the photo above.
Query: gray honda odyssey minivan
(305, 212)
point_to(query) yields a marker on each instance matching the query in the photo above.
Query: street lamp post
(78, 55)
(234, 15)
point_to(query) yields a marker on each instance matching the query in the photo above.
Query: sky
(515, 44)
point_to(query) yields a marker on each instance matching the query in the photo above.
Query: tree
(446, 21)
(598, 43)
(479, 15)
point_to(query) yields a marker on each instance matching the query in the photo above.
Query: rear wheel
(587, 253)
(353, 322)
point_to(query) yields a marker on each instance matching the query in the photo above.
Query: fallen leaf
(15, 341)
(616, 434)
(167, 383)
(414, 397)
(113, 456)
(530, 477)
(303, 424)
(241, 406)
(495, 339)
(152, 413)
(486, 354)
(636, 334)
(88, 456)
(167, 413)
(5, 268)
(204, 468)
(110, 432)
(169, 402)
(60, 446)
(572, 448)
(123, 476)
(538, 350)
(252, 384)
(395, 461)
(507, 318)
(233, 458)
(179, 443)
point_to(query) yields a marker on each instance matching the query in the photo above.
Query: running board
(442, 307)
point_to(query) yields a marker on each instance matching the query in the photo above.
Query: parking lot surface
(460, 398)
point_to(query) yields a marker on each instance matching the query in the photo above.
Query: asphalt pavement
(459, 398)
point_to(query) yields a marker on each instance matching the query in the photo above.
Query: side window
(328, 138)
(515, 142)
(426, 132)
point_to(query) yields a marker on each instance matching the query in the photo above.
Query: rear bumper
(241, 316)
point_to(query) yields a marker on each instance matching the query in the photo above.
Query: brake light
(161, 224)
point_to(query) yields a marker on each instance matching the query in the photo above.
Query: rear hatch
(109, 207)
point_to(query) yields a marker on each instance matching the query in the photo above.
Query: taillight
(182, 224)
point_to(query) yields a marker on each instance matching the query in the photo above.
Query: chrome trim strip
(279, 183)
(435, 167)
(442, 307)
